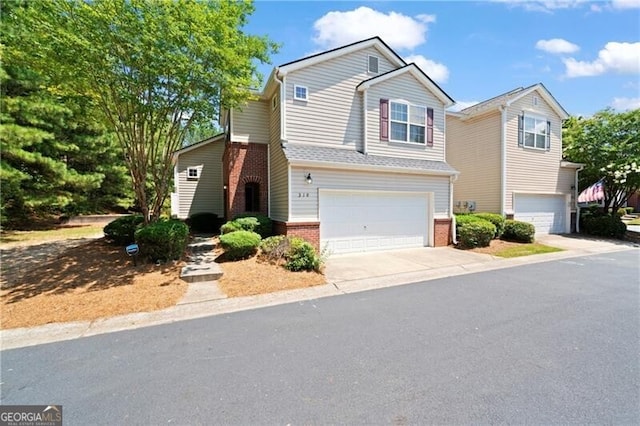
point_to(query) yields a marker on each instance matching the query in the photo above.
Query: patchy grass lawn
(9, 238)
(509, 249)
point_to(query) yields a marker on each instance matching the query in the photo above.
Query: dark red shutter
(521, 129)
(548, 138)
(429, 126)
(384, 119)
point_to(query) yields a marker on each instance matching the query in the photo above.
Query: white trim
(535, 116)
(417, 74)
(295, 93)
(283, 108)
(231, 135)
(544, 93)
(268, 180)
(197, 175)
(408, 123)
(503, 160)
(365, 122)
(288, 192)
(375, 42)
(197, 145)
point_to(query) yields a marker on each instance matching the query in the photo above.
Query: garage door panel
(546, 212)
(366, 221)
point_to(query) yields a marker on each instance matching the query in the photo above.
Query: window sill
(532, 148)
(405, 143)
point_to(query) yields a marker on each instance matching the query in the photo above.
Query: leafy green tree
(154, 67)
(608, 143)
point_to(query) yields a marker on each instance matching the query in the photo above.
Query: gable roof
(214, 138)
(508, 98)
(341, 158)
(415, 71)
(377, 42)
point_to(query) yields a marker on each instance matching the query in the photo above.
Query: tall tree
(608, 143)
(155, 67)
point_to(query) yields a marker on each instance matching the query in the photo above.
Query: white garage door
(546, 212)
(357, 221)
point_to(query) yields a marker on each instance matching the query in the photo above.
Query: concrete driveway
(358, 266)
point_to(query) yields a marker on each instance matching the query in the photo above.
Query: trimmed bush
(301, 256)
(248, 223)
(496, 219)
(122, 230)
(163, 240)
(264, 226)
(625, 210)
(604, 226)
(464, 218)
(240, 244)
(476, 234)
(229, 227)
(204, 222)
(521, 232)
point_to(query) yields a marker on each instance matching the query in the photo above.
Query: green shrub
(629, 210)
(270, 245)
(240, 244)
(229, 227)
(522, 232)
(604, 226)
(248, 223)
(301, 256)
(265, 224)
(122, 230)
(204, 222)
(464, 218)
(163, 240)
(625, 210)
(496, 219)
(476, 234)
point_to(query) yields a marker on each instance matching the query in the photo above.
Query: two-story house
(508, 150)
(345, 148)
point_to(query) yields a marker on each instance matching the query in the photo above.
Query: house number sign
(303, 195)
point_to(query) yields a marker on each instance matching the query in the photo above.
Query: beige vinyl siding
(406, 89)
(566, 179)
(204, 194)
(251, 122)
(304, 196)
(474, 149)
(278, 169)
(333, 112)
(528, 169)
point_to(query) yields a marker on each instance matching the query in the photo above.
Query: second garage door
(358, 221)
(546, 212)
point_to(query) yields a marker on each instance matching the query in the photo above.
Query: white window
(300, 93)
(535, 132)
(407, 123)
(373, 64)
(193, 173)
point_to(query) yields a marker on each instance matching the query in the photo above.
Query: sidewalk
(345, 274)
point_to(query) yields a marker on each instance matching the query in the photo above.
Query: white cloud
(623, 58)
(623, 104)
(595, 8)
(399, 31)
(460, 105)
(557, 46)
(625, 4)
(547, 6)
(436, 71)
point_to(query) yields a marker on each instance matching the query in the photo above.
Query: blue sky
(586, 53)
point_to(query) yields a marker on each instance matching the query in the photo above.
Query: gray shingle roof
(338, 156)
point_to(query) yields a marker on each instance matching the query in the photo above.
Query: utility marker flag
(593, 193)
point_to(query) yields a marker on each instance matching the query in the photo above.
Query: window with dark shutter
(521, 130)
(384, 119)
(429, 126)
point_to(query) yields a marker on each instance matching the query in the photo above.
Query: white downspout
(578, 170)
(364, 114)
(503, 160)
(452, 179)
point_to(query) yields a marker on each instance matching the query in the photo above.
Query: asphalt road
(547, 343)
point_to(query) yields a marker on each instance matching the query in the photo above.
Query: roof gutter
(366, 167)
(279, 78)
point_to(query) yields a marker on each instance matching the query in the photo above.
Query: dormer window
(300, 93)
(373, 64)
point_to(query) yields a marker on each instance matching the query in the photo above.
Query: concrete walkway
(345, 274)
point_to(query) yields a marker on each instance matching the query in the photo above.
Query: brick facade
(310, 231)
(244, 163)
(441, 232)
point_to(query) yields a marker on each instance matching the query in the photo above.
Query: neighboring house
(345, 148)
(508, 150)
